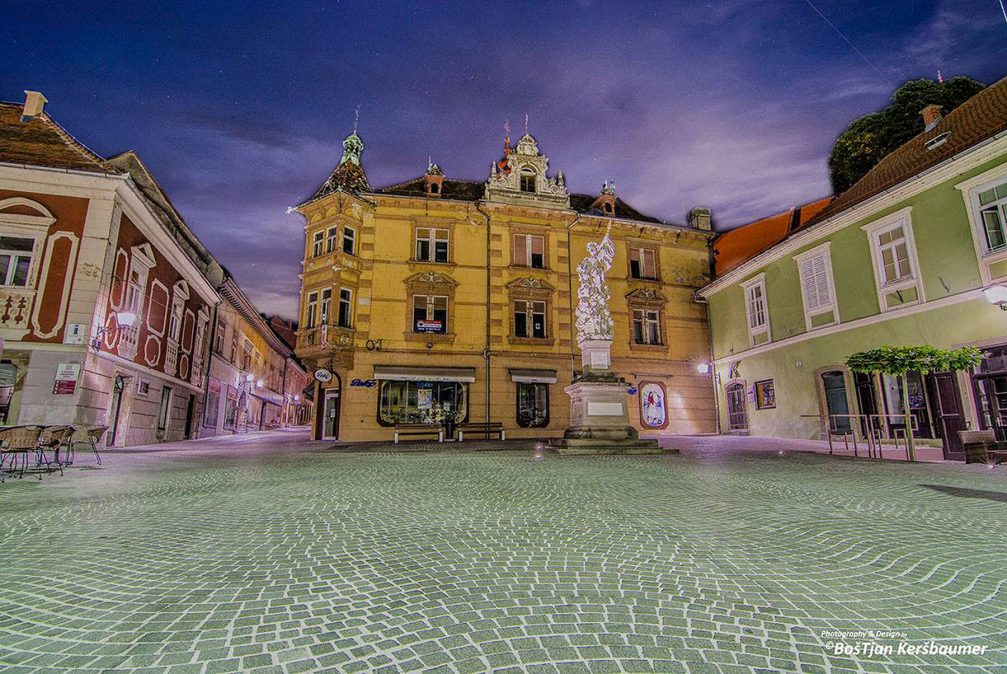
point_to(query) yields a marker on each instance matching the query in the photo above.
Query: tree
(870, 138)
(898, 360)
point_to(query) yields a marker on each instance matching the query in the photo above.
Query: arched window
(528, 179)
(608, 207)
(434, 188)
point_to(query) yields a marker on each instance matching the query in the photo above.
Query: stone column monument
(599, 421)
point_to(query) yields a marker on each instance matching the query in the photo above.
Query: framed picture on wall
(653, 405)
(765, 395)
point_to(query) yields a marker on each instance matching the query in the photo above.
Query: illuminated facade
(437, 299)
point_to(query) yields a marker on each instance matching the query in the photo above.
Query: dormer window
(528, 178)
(607, 207)
(435, 188)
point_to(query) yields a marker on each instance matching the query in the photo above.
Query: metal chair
(17, 442)
(94, 437)
(55, 438)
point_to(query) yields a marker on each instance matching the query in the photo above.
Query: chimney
(931, 115)
(699, 218)
(34, 104)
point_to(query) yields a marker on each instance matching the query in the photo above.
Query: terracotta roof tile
(43, 142)
(734, 247)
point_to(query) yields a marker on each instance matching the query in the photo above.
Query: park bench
(982, 447)
(484, 428)
(418, 430)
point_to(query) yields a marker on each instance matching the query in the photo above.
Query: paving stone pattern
(283, 556)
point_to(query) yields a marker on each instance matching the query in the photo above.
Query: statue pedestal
(599, 420)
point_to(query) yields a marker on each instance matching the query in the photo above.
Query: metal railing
(874, 431)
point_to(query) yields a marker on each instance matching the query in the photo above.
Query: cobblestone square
(277, 555)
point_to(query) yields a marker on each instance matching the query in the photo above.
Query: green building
(913, 253)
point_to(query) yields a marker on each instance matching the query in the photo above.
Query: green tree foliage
(901, 359)
(869, 138)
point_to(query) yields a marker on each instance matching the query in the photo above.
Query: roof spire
(940, 78)
(356, 119)
(526, 123)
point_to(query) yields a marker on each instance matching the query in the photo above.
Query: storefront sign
(66, 379)
(323, 375)
(368, 383)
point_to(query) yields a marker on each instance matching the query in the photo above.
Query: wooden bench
(422, 430)
(982, 447)
(482, 428)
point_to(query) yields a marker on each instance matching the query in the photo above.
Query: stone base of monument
(599, 422)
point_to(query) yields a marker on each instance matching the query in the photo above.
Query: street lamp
(997, 294)
(704, 368)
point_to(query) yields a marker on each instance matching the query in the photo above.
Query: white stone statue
(594, 320)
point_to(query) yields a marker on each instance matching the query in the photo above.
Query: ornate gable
(521, 178)
(530, 283)
(645, 296)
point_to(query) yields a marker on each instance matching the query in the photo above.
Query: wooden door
(947, 413)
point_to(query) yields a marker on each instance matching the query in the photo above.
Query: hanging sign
(66, 379)
(323, 375)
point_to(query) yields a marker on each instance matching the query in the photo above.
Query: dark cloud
(240, 108)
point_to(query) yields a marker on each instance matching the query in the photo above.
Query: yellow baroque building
(435, 303)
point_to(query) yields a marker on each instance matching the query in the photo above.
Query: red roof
(43, 142)
(733, 248)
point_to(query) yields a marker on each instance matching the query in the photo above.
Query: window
(318, 243)
(246, 356)
(164, 411)
(528, 180)
(431, 244)
(330, 240)
(310, 315)
(529, 251)
(646, 326)
(756, 310)
(345, 307)
(15, 260)
(421, 402)
(765, 395)
(993, 217)
(175, 323)
(893, 255)
(349, 240)
(134, 292)
(529, 319)
(233, 356)
(212, 411)
(642, 263)
(532, 405)
(817, 288)
(218, 341)
(324, 306)
(430, 313)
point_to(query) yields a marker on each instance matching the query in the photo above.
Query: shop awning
(404, 373)
(533, 376)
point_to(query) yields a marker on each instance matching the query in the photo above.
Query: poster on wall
(653, 410)
(66, 379)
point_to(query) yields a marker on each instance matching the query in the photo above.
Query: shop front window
(422, 402)
(990, 384)
(230, 408)
(532, 405)
(919, 409)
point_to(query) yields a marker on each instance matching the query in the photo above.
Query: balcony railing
(15, 306)
(170, 357)
(128, 337)
(325, 337)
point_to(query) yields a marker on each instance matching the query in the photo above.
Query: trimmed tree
(900, 360)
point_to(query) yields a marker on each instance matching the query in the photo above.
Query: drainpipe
(569, 288)
(487, 353)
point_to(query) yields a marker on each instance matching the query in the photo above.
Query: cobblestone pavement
(273, 554)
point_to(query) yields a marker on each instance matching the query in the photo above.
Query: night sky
(240, 110)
